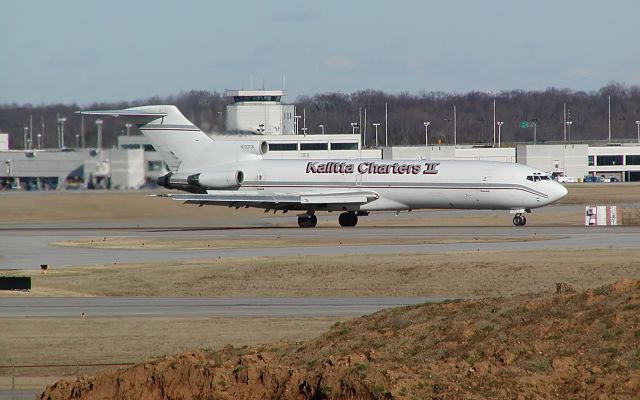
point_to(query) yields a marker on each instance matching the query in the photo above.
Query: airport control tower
(260, 112)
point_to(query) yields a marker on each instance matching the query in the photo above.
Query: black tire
(308, 221)
(517, 220)
(524, 221)
(313, 221)
(348, 219)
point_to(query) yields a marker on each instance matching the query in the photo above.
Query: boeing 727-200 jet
(235, 173)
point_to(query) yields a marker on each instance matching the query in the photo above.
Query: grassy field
(464, 274)
(89, 340)
(63, 341)
(279, 241)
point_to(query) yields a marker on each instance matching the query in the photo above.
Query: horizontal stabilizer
(139, 117)
(124, 113)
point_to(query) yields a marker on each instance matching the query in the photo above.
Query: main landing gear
(307, 221)
(519, 220)
(348, 219)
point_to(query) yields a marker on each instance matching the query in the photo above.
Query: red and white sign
(601, 216)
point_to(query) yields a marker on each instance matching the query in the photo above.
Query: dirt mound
(568, 345)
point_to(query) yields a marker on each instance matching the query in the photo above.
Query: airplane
(235, 173)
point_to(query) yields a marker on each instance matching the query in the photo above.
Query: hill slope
(570, 345)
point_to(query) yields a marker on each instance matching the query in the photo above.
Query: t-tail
(184, 147)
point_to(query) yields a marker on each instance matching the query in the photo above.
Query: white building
(446, 152)
(311, 146)
(154, 166)
(70, 169)
(115, 169)
(260, 112)
(260, 115)
(558, 159)
(4, 141)
(620, 161)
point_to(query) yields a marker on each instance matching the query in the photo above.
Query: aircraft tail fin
(181, 144)
(178, 141)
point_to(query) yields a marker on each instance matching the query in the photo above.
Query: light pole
(609, 113)
(39, 140)
(494, 120)
(353, 127)
(426, 133)
(494, 116)
(61, 121)
(128, 126)
(321, 128)
(77, 140)
(569, 123)
(304, 130)
(375, 126)
(99, 125)
(24, 139)
(638, 125)
(499, 123)
(297, 123)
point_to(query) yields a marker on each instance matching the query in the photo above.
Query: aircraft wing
(276, 200)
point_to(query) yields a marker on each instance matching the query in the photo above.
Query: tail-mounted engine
(199, 183)
(217, 180)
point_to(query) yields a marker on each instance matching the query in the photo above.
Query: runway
(27, 246)
(101, 307)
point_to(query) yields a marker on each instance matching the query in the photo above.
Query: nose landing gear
(519, 220)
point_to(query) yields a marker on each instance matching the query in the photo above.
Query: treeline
(587, 112)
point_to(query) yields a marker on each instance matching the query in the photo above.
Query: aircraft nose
(558, 192)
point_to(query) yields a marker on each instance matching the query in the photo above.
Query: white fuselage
(406, 184)
(235, 173)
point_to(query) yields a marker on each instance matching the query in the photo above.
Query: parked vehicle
(591, 179)
(566, 179)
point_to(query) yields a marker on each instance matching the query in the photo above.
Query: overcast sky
(83, 51)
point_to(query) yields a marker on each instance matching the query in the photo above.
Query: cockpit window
(538, 177)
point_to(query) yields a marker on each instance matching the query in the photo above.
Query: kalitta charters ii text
(370, 167)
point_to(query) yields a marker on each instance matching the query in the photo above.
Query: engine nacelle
(179, 182)
(217, 180)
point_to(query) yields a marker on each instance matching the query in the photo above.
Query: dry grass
(602, 193)
(463, 274)
(120, 340)
(54, 341)
(102, 206)
(630, 216)
(279, 241)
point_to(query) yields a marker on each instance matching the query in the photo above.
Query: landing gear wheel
(519, 220)
(348, 219)
(307, 221)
